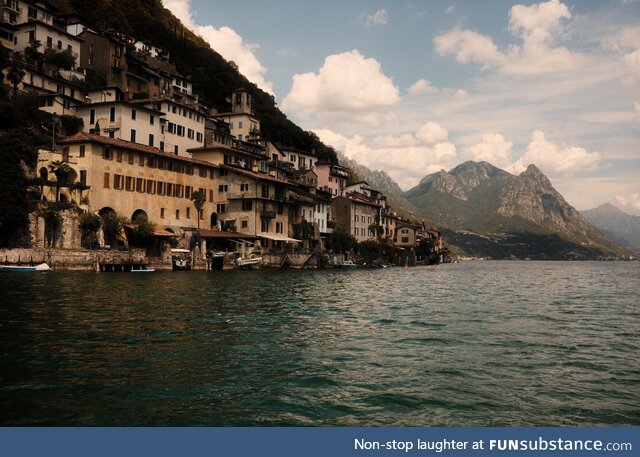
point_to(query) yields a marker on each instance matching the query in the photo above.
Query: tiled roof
(92, 137)
(252, 174)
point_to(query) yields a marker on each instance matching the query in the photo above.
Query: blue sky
(412, 87)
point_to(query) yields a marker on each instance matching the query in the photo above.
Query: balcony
(240, 195)
(12, 6)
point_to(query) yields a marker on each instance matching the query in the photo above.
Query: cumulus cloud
(493, 148)
(554, 160)
(631, 201)
(422, 86)
(407, 157)
(536, 25)
(226, 41)
(346, 83)
(380, 17)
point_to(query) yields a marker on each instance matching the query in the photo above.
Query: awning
(269, 236)
(163, 233)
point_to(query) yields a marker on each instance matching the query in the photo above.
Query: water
(475, 343)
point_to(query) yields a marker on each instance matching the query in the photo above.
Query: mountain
(616, 224)
(213, 77)
(488, 212)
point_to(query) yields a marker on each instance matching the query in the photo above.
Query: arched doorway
(139, 213)
(214, 221)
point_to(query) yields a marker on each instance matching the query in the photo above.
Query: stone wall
(73, 260)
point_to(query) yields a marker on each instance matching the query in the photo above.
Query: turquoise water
(475, 343)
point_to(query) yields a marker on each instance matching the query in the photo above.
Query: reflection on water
(477, 343)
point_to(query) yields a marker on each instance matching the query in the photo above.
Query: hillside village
(150, 165)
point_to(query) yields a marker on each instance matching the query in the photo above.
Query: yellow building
(134, 179)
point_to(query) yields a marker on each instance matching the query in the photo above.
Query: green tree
(60, 169)
(15, 74)
(60, 60)
(142, 233)
(32, 54)
(89, 226)
(341, 241)
(198, 198)
(112, 225)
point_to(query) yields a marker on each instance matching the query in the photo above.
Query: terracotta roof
(84, 137)
(362, 198)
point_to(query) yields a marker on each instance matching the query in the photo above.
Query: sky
(412, 87)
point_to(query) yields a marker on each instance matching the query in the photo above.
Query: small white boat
(348, 265)
(142, 270)
(25, 268)
(248, 261)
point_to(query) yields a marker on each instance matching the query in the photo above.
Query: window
(175, 149)
(162, 213)
(92, 116)
(160, 188)
(162, 145)
(264, 225)
(202, 172)
(188, 191)
(133, 136)
(222, 188)
(151, 139)
(265, 191)
(152, 119)
(82, 150)
(405, 239)
(169, 188)
(133, 114)
(278, 227)
(280, 208)
(210, 195)
(171, 127)
(107, 154)
(221, 208)
(139, 185)
(112, 114)
(247, 205)
(188, 213)
(190, 134)
(224, 172)
(244, 224)
(244, 187)
(117, 181)
(240, 124)
(119, 155)
(129, 183)
(199, 137)
(83, 177)
(140, 159)
(150, 186)
(106, 180)
(177, 214)
(49, 42)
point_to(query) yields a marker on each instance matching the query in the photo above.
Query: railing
(240, 195)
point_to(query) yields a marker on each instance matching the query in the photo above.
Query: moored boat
(348, 265)
(26, 268)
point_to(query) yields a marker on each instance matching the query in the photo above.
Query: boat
(348, 265)
(142, 269)
(26, 268)
(180, 259)
(247, 262)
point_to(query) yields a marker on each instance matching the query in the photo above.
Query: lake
(477, 343)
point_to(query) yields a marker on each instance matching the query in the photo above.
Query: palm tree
(15, 73)
(60, 169)
(198, 197)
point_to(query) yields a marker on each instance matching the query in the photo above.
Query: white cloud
(422, 86)
(637, 107)
(460, 93)
(536, 25)
(380, 17)
(226, 41)
(494, 149)
(346, 83)
(450, 9)
(406, 157)
(554, 160)
(631, 202)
